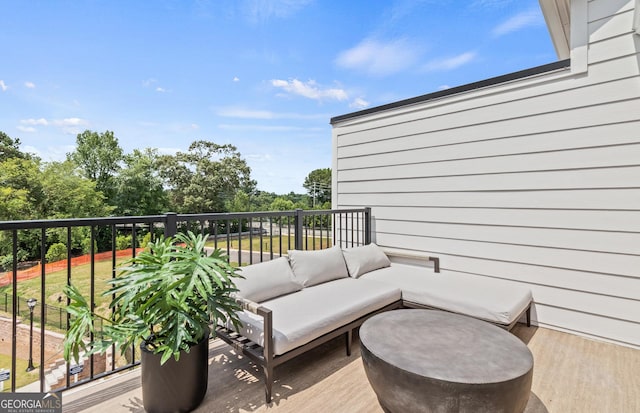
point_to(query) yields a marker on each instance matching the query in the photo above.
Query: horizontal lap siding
(536, 182)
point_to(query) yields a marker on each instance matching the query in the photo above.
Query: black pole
(31, 302)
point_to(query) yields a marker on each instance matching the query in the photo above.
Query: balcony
(571, 374)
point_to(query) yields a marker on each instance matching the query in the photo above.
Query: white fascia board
(556, 25)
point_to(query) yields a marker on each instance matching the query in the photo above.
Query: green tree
(318, 186)
(98, 155)
(281, 204)
(239, 203)
(21, 197)
(70, 195)
(138, 187)
(205, 177)
(10, 148)
(21, 191)
(261, 200)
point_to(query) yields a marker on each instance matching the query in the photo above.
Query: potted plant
(166, 300)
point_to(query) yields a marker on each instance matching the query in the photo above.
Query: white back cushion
(267, 280)
(364, 259)
(315, 267)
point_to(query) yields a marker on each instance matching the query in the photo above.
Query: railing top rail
(78, 222)
(84, 222)
(235, 215)
(331, 211)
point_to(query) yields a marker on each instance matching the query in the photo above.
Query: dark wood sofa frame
(263, 355)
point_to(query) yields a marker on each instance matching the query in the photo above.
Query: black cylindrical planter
(175, 386)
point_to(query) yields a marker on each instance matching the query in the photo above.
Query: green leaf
(169, 293)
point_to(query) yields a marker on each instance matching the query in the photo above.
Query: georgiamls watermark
(30, 403)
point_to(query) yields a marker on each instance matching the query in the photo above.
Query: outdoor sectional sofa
(295, 303)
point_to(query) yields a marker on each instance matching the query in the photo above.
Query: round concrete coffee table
(434, 361)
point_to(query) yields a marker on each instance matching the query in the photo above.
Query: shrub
(56, 252)
(123, 242)
(6, 261)
(146, 240)
(86, 246)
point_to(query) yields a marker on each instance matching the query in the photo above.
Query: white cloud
(3, 86)
(260, 157)
(236, 112)
(29, 85)
(444, 87)
(50, 153)
(262, 10)
(490, 3)
(379, 58)
(236, 79)
(71, 126)
(148, 82)
(528, 18)
(67, 125)
(449, 63)
(181, 127)
(268, 128)
(169, 151)
(244, 113)
(28, 129)
(310, 89)
(359, 103)
(160, 89)
(41, 121)
(71, 122)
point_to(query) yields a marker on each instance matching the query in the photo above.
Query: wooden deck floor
(571, 374)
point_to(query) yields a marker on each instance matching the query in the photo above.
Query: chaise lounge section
(295, 303)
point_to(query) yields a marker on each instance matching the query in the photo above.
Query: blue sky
(266, 76)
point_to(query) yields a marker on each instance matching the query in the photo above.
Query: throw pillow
(267, 280)
(361, 260)
(315, 267)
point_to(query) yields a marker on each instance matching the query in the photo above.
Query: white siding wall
(536, 181)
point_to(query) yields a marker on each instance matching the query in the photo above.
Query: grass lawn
(55, 282)
(22, 378)
(267, 244)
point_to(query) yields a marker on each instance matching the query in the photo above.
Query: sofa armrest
(413, 256)
(267, 318)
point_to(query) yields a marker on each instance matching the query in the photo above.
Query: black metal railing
(246, 237)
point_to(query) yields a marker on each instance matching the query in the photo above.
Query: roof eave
(557, 15)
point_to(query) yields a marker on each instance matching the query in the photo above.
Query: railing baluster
(43, 316)
(280, 234)
(14, 305)
(93, 290)
(228, 240)
(271, 239)
(313, 231)
(113, 296)
(67, 375)
(240, 242)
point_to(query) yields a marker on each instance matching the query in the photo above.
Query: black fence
(246, 237)
(55, 316)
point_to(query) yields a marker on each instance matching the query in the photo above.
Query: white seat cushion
(314, 311)
(485, 298)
